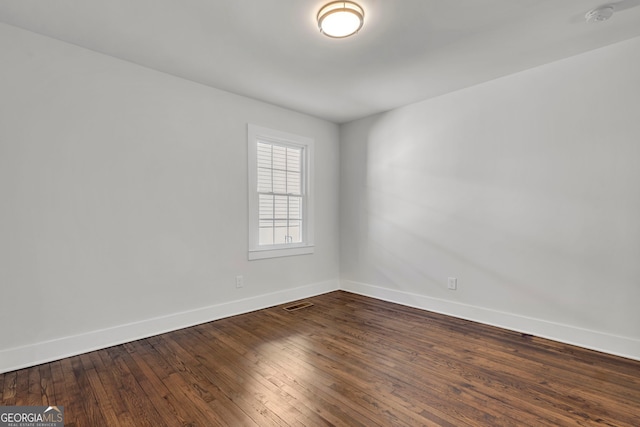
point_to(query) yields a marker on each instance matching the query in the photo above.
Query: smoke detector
(599, 14)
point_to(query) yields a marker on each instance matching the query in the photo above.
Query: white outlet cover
(452, 283)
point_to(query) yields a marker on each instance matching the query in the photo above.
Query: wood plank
(141, 409)
(102, 399)
(110, 382)
(47, 392)
(169, 404)
(59, 388)
(91, 410)
(22, 388)
(74, 411)
(35, 393)
(9, 388)
(348, 360)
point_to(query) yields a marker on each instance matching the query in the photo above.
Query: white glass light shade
(340, 19)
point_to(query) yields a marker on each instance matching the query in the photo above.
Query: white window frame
(262, 134)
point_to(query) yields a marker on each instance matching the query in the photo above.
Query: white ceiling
(408, 50)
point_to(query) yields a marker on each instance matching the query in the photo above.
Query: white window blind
(279, 194)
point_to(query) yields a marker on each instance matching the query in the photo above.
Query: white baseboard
(606, 343)
(42, 352)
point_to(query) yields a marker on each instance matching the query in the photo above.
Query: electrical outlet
(239, 281)
(452, 283)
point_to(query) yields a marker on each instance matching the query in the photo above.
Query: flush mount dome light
(340, 19)
(599, 14)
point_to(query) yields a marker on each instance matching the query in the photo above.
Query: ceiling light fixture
(340, 19)
(599, 14)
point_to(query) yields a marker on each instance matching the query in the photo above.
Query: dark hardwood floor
(349, 361)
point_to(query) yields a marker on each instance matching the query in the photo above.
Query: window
(280, 193)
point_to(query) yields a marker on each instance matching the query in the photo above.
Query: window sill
(280, 252)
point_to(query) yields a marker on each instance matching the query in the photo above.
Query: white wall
(525, 188)
(123, 198)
